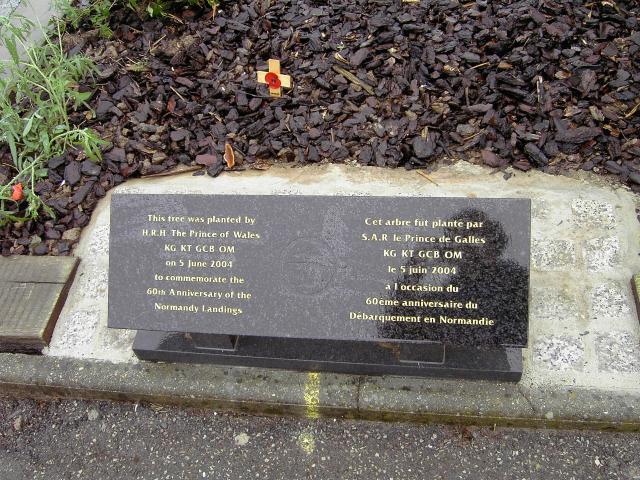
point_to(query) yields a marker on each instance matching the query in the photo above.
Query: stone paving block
(593, 213)
(618, 352)
(610, 303)
(560, 352)
(553, 310)
(553, 255)
(602, 254)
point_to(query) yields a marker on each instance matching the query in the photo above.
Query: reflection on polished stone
(483, 287)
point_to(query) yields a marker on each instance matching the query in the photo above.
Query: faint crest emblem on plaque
(308, 267)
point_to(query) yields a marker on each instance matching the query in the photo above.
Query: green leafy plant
(38, 87)
(95, 12)
(161, 8)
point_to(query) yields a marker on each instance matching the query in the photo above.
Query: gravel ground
(101, 440)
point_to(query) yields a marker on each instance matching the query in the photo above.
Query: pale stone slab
(609, 302)
(618, 352)
(555, 310)
(560, 353)
(602, 254)
(552, 255)
(593, 213)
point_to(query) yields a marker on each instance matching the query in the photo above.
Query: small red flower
(273, 80)
(16, 194)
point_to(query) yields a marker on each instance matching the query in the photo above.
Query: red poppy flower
(16, 194)
(273, 80)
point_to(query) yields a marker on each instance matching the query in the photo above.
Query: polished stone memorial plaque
(406, 285)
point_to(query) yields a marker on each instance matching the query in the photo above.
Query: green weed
(95, 12)
(38, 87)
(161, 8)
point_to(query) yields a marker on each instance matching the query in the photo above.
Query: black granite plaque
(385, 269)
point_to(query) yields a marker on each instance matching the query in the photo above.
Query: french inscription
(438, 260)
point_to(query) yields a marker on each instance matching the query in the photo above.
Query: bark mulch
(552, 85)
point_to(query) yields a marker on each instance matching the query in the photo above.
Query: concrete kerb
(273, 392)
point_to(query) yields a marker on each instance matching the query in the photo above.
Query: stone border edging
(267, 392)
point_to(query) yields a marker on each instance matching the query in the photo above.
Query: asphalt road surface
(103, 441)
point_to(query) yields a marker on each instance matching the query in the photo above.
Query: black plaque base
(353, 357)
